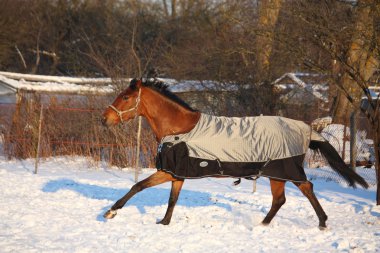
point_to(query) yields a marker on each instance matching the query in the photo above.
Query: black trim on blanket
(175, 160)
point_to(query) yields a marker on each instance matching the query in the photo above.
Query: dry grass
(72, 127)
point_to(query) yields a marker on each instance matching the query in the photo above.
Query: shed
(303, 95)
(302, 88)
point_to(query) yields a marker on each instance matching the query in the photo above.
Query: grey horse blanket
(238, 147)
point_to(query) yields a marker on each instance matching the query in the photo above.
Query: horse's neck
(166, 117)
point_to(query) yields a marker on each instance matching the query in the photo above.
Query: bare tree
(346, 38)
(360, 62)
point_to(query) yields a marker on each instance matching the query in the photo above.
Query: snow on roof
(56, 79)
(61, 84)
(192, 85)
(81, 85)
(56, 83)
(314, 89)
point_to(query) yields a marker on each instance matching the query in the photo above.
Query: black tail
(336, 162)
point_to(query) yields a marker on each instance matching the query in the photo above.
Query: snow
(58, 84)
(60, 210)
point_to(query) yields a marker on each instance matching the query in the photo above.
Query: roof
(11, 82)
(296, 83)
(55, 84)
(196, 86)
(82, 85)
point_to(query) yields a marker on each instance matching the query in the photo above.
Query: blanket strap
(256, 176)
(221, 171)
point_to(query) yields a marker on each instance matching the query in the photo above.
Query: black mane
(162, 88)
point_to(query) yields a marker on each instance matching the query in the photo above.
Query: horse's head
(125, 106)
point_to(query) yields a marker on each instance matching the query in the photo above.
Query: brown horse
(169, 115)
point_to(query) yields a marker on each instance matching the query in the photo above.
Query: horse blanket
(237, 147)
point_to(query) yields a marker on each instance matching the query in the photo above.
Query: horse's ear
(135, 84)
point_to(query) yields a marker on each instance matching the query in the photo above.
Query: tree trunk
(360, 62)
(166, 10)
(268, 14)
(377, 166)
(377, 108)
(174, 9)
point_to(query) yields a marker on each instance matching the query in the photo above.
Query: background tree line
(243, 41)
(240, 41)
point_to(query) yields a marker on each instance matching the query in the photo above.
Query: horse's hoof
(163, 222)
(110, 214)
(322, 228)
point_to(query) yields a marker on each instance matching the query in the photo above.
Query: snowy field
(60, 210)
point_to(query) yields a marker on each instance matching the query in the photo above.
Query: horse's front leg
(174, 193)
(157, 178)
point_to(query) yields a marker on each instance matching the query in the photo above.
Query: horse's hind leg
(278, 192)
(157, 178)
(174, 193)
(307, 189)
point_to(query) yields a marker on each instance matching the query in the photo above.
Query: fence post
(138, 150)
(39, 140)
(353, 129)
(344, 142)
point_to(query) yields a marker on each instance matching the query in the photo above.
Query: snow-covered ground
(60, 210)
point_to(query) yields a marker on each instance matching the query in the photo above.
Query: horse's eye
(125, 97)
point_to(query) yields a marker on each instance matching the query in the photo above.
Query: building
(303, 96)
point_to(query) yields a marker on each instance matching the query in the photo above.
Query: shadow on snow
(149, 197)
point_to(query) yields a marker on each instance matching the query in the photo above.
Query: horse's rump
(237, 147)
